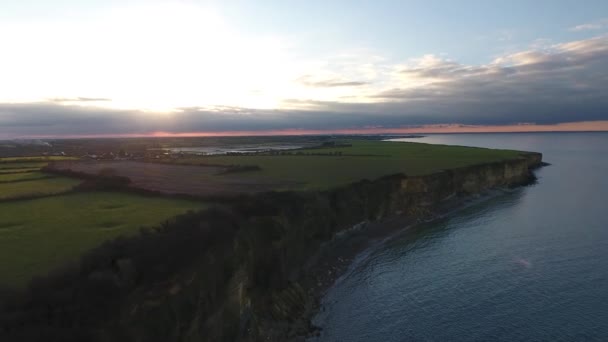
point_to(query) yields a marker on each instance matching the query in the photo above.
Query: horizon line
(583, 126)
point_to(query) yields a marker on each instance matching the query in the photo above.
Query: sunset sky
(129, 68)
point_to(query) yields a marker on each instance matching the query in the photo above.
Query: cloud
(308, 81)
(561, 83)
(566, 82)
(79, 99)
(596, 25)
(430, 66)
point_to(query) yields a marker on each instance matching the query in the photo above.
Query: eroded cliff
(241, 273)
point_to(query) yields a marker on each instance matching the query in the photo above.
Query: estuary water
(528, 265)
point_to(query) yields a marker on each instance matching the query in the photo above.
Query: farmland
(304, 169)
(54, 226)
(22, 176)
(39, 235)
(13, 166)
(318, 169)
(73, 254)
(44, 159)
(7, 166)
(180, 179)
(36, 187)
(18, 170)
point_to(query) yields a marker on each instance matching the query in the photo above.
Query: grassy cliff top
(39, 235)
(45, 232)
(323, 168)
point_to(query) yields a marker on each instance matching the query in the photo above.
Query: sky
(232, 67)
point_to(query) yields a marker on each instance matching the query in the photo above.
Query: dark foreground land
(245, 260)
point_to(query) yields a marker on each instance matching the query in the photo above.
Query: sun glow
(153, 57)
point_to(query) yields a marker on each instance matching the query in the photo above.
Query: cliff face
(429, 189)
(238, 275)
(418, 197)
(281, 313)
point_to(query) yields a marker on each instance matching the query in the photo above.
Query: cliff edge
(237, 273)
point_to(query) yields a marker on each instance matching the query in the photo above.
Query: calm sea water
(528, 265)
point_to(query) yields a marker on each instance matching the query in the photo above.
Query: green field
(36, 187)
(39, 235)
(364, 160)
(19, 177)
(22, 165)
(21, 170)
(35, 159)
(16, 166)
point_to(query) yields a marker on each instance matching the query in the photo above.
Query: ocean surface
(530, 264)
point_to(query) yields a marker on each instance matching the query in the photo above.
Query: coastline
(257, 270)
(341, 256)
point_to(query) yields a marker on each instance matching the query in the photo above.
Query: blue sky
(471, 31)
(214, 66)
(468, 31)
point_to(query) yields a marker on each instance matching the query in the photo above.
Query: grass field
(364, 160)
(10, 166)
(35, 187)
(17, 165)
(38, 235)
(20, 177)
(22, 165)
(35, 159)
(20, 170)
(41, 234)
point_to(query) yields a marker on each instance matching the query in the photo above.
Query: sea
(529, 264)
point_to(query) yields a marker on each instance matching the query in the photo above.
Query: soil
(174, 179)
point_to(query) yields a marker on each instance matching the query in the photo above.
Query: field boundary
(32, 196)
(26, 180)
